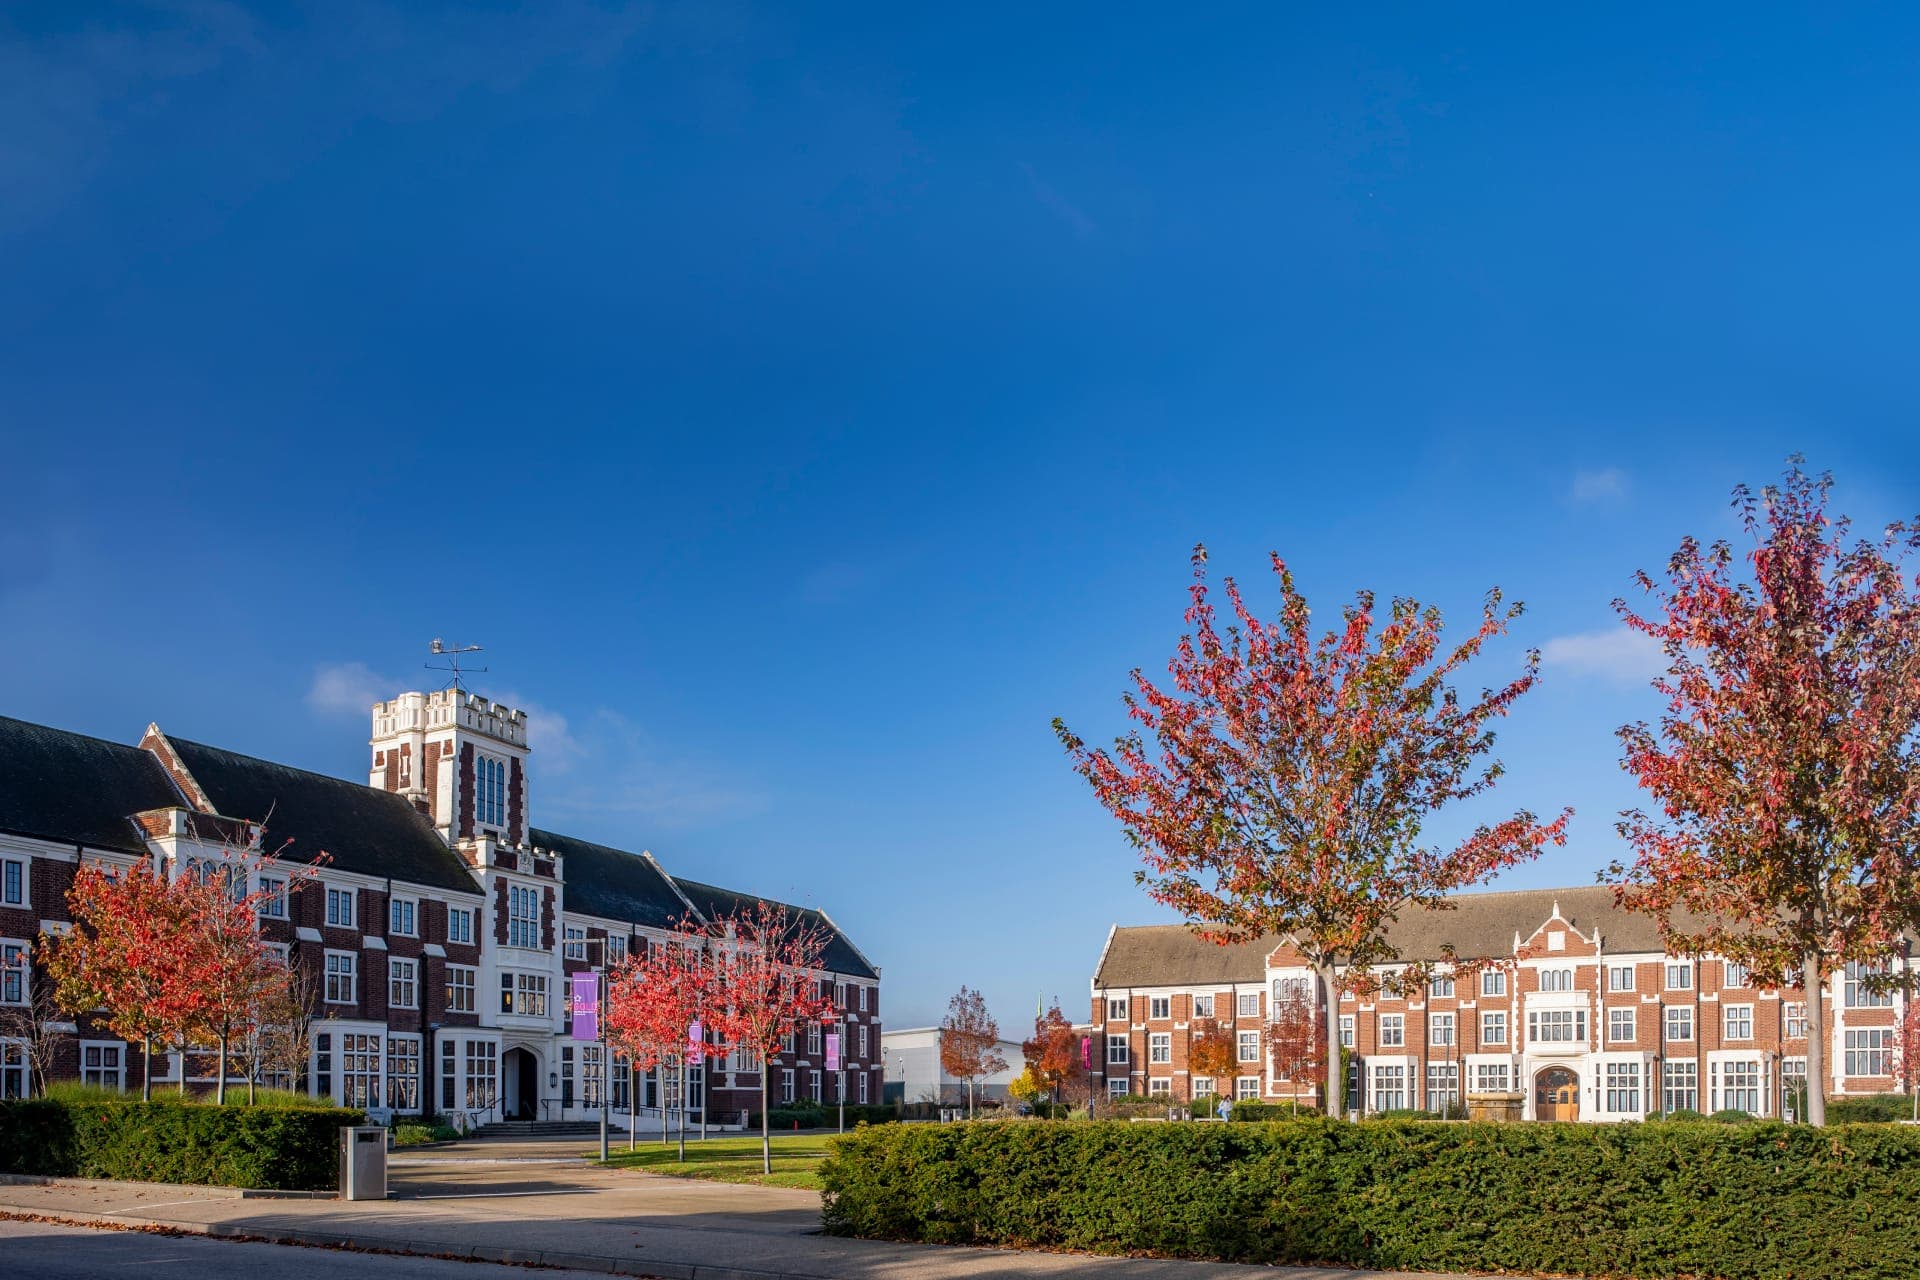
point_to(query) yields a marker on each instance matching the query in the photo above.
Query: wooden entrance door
(1556, 1095)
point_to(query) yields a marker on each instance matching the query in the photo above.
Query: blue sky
(804, 406)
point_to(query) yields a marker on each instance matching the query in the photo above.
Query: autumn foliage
(969, 1041)
(1279, 783)
(1785, 768)
(1295, 1040)
(1212, 1053)
(1053, 1053)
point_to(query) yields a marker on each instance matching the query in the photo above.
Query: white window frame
(1868, 1052)
(105, 1074)
(1678, 1016)
(1346, 1030)
(1736, 1022)
(16, 971)
(1854, 992)
(1493, 1026)
(862, 1077)
(460, 924)
(1203, 1006)
(1116, 1050)
(523, 917)
(574, 941)
(462, 980)
(1734, 975)
(1440, 1028)
(273, 899)
(1557, 979)
(1393, 1030)
(1159, 1007)
(1159, 1087)
(1623, 1026)
(1246, 1088)
(403, 983)
(1116, 1008)
(1248, 1005)
(1793, 1020)
(1679, 975)
(1620, 977)
(1556, 1026)
(342, 907)
(1160, 1047)
(1620, 1088)
(1493, 982)
(1248, 1045)
(20, 870)
(341, 970)
(403, 917)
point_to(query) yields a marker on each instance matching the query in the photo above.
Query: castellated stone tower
(462, 760)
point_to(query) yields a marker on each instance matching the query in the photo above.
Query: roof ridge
(290, 768)
(73, 733)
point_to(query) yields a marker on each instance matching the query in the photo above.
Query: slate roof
(1479, 925)
(362, 829)
(615, 884)
(841, 956)
(56, 785)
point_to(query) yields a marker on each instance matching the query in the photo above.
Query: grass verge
(796, 1159)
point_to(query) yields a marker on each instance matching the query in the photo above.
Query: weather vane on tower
(441, 649)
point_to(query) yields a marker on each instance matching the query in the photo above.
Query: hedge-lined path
(527, 1202)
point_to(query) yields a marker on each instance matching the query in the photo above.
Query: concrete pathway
(541, 1202)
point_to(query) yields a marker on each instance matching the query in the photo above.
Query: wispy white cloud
(1605, 484)
(625, 772)
(1058, 205)
(1618, 655)
(343, 689)
(599, 765)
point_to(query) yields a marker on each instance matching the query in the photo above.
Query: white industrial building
(912, 1062)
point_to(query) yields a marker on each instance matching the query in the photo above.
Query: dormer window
(490, 791)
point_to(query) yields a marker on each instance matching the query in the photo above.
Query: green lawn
(796, 1156)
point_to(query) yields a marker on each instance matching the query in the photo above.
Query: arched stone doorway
(519, 1085)
(1556, 1095)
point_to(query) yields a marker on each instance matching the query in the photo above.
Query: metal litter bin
(363, 1163)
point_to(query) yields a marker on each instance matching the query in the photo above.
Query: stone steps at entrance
(539, 1129)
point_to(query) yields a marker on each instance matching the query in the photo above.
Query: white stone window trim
(403, 916)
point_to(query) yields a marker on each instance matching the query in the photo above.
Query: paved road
(528, 1202)
(41, 1251)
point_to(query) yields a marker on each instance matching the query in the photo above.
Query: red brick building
(434, 939)
(1575, 1013)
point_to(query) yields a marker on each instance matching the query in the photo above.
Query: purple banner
(1086, 1052)
(833, 1050)
(696, 1044)
(584, 989)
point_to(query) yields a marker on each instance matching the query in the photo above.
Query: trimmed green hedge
(1759, 1201)
(1879, 1108)
(276, 1148)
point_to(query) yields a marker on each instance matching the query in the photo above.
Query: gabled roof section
(840, 956)
(360, 828)
(614, 884)
(69, 788)
(1475, 926)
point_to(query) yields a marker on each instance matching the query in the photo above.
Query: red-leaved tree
(1295, 1042)
(239, 979)
(768, 963)
(1053, 1054)
(130, 954)
(1280, 784)
(655, 997)
(970, 1040)
(1212, 1054)
(1786, 766)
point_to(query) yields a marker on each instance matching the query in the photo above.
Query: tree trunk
(183, 1068)
(146, 1076)
(969, 1097)
(766, 1136)
(633, 1105)
(1815, 987)
(1336, 1077)
(220, 1085)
